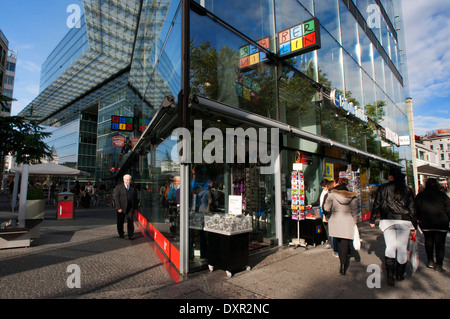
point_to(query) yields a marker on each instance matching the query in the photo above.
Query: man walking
(125, 196)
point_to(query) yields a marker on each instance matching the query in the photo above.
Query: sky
(35, 27)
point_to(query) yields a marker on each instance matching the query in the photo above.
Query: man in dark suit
(125, 196)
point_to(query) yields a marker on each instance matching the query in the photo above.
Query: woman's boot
(390, 270)
(400, 271)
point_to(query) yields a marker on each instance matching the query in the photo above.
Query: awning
(432, 170)
(50, 169)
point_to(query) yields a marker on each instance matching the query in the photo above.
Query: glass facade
(235, 62)
(74, 44)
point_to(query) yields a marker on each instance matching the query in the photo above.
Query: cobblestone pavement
(115, 268)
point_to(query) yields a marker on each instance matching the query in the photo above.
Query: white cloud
(427, 30)
(32, 89)
(422, 124)
(29, 66)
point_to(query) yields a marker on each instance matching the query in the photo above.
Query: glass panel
(252, 18)
(333, 125)
(352, 73)
(290, 13)
(328, 14)
(330, 63)
(366, 53)
(349, 32)
(216, 73)
(159, 190)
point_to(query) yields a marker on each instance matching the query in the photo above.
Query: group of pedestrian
(401, 214)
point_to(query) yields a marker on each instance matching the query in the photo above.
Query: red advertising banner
(118, 141)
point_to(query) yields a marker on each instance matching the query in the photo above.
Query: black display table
(228, 251)
(313, 231)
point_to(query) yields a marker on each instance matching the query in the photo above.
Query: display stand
(228, 242)
(298, 203)
(228, 252)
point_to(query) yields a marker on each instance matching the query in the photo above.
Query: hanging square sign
(299, 39)
(121, 123)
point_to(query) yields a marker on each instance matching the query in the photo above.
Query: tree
(22, 138)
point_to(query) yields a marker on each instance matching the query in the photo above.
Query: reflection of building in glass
(342, 106)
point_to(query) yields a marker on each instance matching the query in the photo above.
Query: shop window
(217, 74)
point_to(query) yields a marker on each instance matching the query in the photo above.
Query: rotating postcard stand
(298, 202)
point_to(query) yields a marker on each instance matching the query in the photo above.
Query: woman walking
(433, 213)
(341, 209)
(394, 201)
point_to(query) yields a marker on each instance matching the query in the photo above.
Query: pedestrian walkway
(112, 267)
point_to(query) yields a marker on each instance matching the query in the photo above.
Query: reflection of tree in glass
(216, 75)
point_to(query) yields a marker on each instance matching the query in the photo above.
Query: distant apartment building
(433, 155)
(8, 59)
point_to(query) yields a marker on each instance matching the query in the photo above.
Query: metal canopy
(432, 170)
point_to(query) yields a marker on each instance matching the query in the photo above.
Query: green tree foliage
(23, 139)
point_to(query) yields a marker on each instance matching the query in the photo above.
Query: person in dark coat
(394, 202)
(126, 199)
(433, 213)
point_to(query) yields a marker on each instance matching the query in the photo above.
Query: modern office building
(320, 83)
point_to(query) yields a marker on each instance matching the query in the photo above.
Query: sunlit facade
(339, 103)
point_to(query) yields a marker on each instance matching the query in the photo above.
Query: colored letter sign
(299, 39)
(121, 123)
(250, 55)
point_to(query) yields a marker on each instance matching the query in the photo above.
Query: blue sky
(35, 27)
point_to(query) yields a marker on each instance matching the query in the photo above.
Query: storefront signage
(303, 158)
(404, 140)
(250, 55)
(438, 132)
(235, 204)
(329, 171)
(121, 123)
(341, 102)
(392, 136)
(118, 141)
(143, 123)
(302, 38)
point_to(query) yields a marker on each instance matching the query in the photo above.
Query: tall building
(327, 75)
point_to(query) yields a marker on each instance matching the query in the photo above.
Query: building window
(9, 80)
(442, 157)
(11, 66)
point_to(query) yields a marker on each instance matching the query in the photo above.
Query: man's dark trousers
(129, 214)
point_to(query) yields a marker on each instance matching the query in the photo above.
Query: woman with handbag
(394, 201)
(341, 210)
(433, 213)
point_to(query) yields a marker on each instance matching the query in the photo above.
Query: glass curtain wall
(280, 89)
(155, 74)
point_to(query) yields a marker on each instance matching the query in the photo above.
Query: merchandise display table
(228, 251)
(313, 231)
